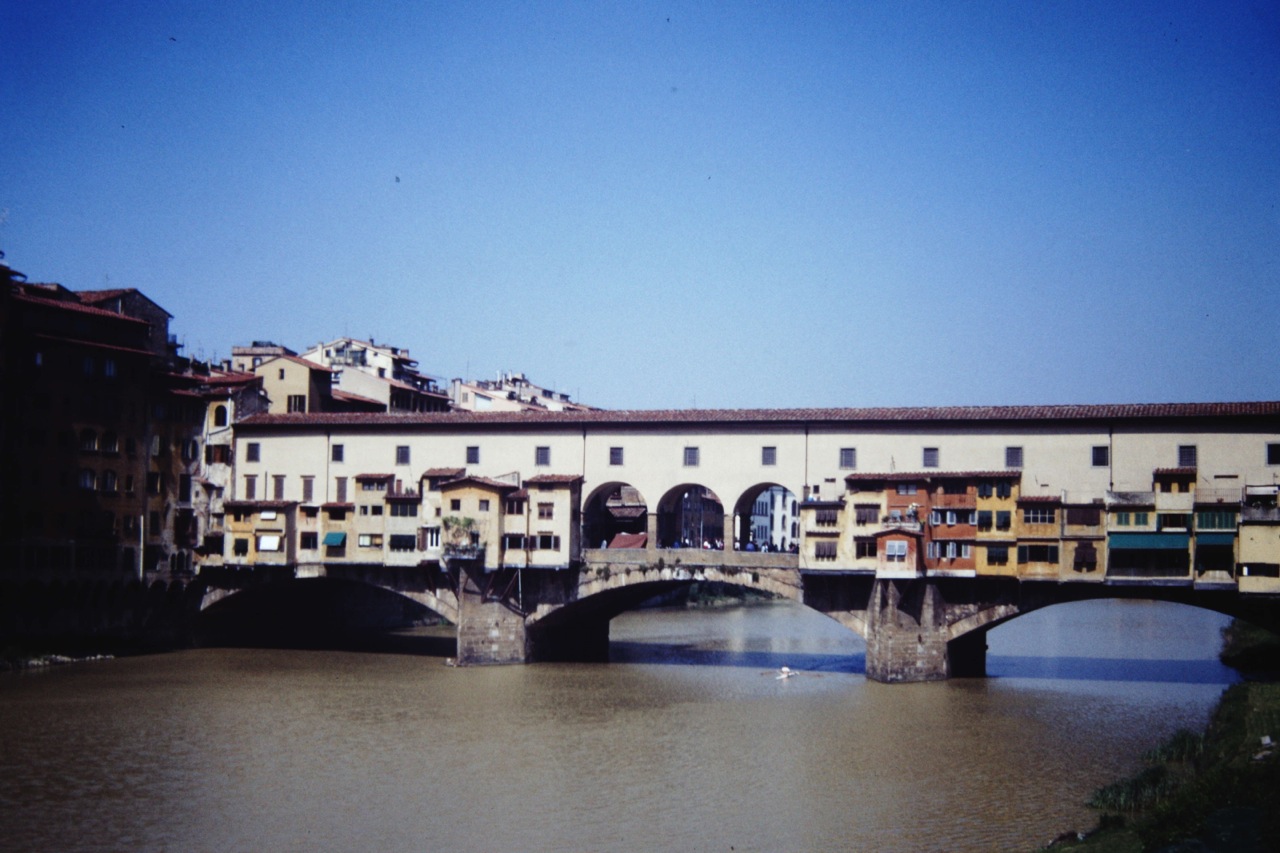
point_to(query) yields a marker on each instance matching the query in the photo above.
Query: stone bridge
(917, 629)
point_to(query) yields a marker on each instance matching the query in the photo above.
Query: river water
(687, 741)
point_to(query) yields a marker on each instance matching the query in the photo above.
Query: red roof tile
(1133, 411)
(553, 479)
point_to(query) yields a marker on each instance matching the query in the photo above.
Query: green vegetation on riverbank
(1216, 791)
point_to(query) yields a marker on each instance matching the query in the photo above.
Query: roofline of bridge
(758, 417)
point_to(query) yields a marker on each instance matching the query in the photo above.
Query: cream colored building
(1032, 492)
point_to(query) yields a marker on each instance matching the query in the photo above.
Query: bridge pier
(907, 632)
(490, 630)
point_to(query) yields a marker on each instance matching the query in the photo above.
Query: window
(336, 453)
(1086, 516)
(277, 487)
(184, 487)
(308, 540)
(513, 541)
(1013, 457)
(863, 547)
(473, 455)
(769, 456)
(1101, 456)
(430, 537)
(1039, 515)
(546, 510)
(1215, 520)
(866, 514)
(111, 443)
(253, 452)
(308, 489)
(984, 519)
(1141, 519)
(615, 455)
(848, 457)
(548, 542)
(1186, 456)
(240, 547)
(269, 542)
(109, 482)
(931, 457)
(1004, 519)
(895, 551)
(403, 542)
(297, 402)
(250, 487)
(484, 504)
(542, 456)
(691, 457)
(219, 416)
(1273, 454)
(404, 509)
(88, 440)
(907, 488)
(984, 490)
(515, 506)
(826, 517)
(340, 489)
(402, 454)
(88, 479)
(997, 555)
(376, 509)
(369, 540)
(1004, 489)
(372, 485)
(825, 550)
(455, 504)
(1037, 553)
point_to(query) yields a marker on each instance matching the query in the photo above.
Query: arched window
(88, 440)
(109, 483)
(220, 415)
(88, 479)
(110, 442)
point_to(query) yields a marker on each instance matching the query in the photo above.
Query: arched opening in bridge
(690, 516)
(615, 515)
(324, 613)
(1111, 639)
(767, 518)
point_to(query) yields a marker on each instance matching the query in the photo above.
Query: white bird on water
(785, 672)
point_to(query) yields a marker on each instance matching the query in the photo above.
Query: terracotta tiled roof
(66, 305)
(94, 297)
(375, 476)
(1124, 411)
(481, 481)
(258, 504)
(1176, 472)
(339, 394)
(1039, 499)
(338, 505)
(296, 360)
(444, 472)
(91, 344)
(553, 479)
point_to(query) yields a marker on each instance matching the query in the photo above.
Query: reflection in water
(217, 749)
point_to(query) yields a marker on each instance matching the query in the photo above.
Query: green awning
(335, 540)
(1215, 539)
(1149, 541)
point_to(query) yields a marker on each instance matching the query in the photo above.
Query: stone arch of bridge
(688, 515)
(1264, 613)
(359, 599)
(577, 629)
(744, 509)
(612, 508)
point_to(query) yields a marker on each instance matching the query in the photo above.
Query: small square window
(253, 452)
(402, 454)
(473, 455)
(484, 504)
(336, 453)
(1013, 457)
(848, 457)
(455, 504)
(542, 456)
(1101, 456)
(1186, 456)
(615, 455)
(1273, 454)
(768, 456)
(931, 457)
(691, 457)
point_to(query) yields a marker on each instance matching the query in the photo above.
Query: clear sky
(668, 205)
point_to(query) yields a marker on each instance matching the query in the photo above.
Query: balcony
(1260, 514)
(1217, 496)
(464, 552)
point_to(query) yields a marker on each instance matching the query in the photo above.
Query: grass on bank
(1219, 790)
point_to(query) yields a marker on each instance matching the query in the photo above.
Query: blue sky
(669, 205)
